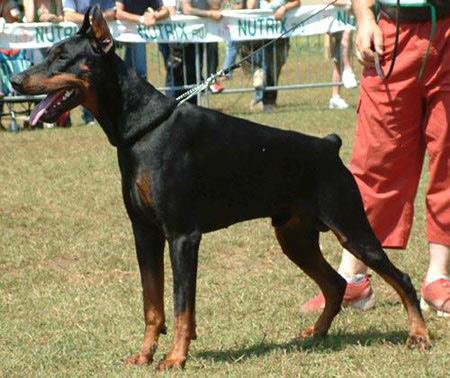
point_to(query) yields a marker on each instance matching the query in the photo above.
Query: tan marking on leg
(153, 291)
(184, 333)
(418, 332)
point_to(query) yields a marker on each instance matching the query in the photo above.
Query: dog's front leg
(184, 257)
(150, 253)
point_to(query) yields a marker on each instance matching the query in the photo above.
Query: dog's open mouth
(56, 103)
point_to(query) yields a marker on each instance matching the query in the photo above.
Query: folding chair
(12, 62)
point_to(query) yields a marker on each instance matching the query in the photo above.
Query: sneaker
(337, 102)
(64, 120)
(349, 79)
(259, 79)
(436, 296)
(357, 295)
(269, 108)
(216, 88)
(256, 107)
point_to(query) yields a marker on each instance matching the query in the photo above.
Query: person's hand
(214, 15)
(54, 18)
(369, 39)
(338, 3)
(347, 4)
(279, 13)
(149, 19)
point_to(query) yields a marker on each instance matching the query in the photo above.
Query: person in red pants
(399, 120)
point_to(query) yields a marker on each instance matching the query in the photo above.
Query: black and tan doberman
(187, 170)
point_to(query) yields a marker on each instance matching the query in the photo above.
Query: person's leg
(140, 60)
(164, 49)
(212, 50)
(350, 266)
(348, 76)
(268, 67)
(135, 57)
(128, 57)
(388, 151)
(86, 116)
(439, 265)
(335, 78)
(346, 43)
(259, 76)
(435, 288)
(230, 56)
(189, 68)
(335, 42)
(276, 57)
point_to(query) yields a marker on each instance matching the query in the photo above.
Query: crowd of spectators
(179, 59)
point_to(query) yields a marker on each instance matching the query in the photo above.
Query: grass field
(70, 296)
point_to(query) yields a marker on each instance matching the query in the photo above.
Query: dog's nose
(17, 81)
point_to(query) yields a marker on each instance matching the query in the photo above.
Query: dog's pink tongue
(40, 108)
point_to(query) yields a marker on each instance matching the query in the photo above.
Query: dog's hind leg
(299, 240)
(184, 258)
(150, 253)
(342, 211)
(365, 247)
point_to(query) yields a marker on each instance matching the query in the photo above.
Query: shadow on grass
(329, 344)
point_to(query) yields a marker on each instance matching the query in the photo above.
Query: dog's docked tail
(335, 142)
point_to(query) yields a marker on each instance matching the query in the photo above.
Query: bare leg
(439, 261)
(342, 210)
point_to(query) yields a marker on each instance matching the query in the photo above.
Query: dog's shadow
(329, 344)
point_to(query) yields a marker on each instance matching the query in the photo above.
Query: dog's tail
(335, 141)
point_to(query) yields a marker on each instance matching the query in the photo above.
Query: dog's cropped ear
(100, 34)
(86, 23)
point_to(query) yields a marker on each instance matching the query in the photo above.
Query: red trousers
(397, 122)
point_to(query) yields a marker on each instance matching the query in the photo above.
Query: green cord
(432, 33)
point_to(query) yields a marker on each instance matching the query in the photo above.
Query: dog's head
(71, 71)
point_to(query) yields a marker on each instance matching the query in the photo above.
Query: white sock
(356, 279)
(431, 278)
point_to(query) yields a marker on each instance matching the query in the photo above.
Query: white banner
(241, 25)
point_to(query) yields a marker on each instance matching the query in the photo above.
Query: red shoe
(359, 296)
(436, 296)
(216, 88)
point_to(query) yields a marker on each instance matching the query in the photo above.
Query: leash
(410, 4)
(225, 71)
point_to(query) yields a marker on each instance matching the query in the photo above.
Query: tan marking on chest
(144, 188)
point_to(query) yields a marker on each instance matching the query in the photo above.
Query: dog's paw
(307, 333)
(171, 363)
(419, 342)
(139, 360)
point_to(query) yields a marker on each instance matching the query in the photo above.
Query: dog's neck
(128, 106)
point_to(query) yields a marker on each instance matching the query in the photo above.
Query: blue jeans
(271, 59)
(86, 116)
(230, 55)
(164, 49)
(135, 57)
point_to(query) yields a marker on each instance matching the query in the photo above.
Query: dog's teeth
(67, 94)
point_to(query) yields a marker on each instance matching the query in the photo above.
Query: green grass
(70, 296)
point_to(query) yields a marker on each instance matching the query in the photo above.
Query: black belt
(409, 15)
